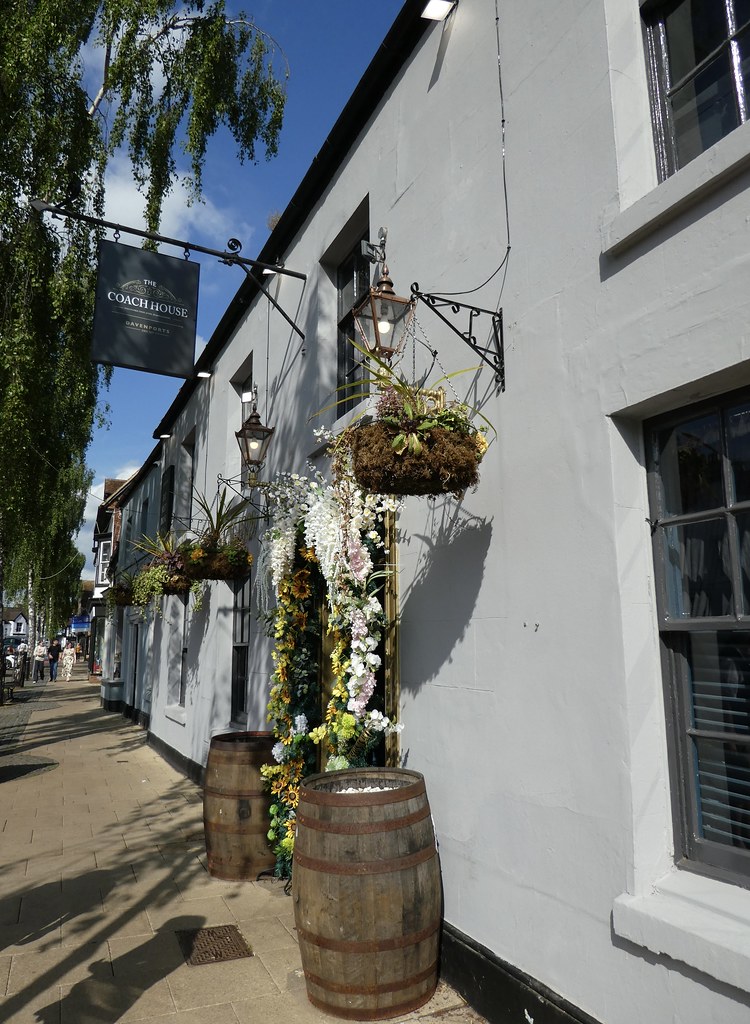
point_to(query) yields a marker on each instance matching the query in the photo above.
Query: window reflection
(690, 462)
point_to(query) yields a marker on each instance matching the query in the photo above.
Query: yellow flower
(196, 554)
(345, 726)
(480, 443)
(301, 584)
(308, 554)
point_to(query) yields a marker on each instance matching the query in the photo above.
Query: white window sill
(698, 921)
(698, 179)
(176, 713)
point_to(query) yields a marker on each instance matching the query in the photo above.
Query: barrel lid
(391, 785)
(231, 740)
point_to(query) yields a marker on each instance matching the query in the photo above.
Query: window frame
(166, 508)
(661, 87)
(242, 616)
(350, 364)
(693, 851)
(103, 560)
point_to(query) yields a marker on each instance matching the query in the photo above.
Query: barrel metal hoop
(238, 830)
(369, 945)
(364, 867)
(372, 990)
(363, 828)
(238, 757)
(362, 799)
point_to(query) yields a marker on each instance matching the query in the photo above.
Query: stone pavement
(102, 860)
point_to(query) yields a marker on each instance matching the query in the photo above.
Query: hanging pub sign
(145, 312)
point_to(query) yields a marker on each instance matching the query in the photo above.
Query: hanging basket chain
(433, 351)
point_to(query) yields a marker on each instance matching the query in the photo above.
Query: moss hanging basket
(177, 583)
(121, 595)
(447, 463)
(229, 563)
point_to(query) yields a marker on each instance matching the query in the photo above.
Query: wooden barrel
(236, 815)
(366, 890)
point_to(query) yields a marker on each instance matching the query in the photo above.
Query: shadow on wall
(443, 594)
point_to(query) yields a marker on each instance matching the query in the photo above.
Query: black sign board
(146, 309)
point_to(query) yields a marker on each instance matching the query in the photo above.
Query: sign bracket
(230, 258)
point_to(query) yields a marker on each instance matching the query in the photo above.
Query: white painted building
(575, 634)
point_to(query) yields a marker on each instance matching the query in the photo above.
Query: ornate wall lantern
(253, 439)
(383, 318)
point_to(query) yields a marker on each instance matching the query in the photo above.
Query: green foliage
(171, 76)
(219, 521)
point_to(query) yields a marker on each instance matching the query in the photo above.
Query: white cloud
(206, 220)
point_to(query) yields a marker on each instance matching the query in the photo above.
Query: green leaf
(399, 444)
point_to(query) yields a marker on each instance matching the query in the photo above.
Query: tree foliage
(82, 80)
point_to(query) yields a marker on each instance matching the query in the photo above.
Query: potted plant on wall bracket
(220, 550)
(417, 443)
(163, 574)
(120, 592)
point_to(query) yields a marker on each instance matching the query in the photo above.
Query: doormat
(212, 945)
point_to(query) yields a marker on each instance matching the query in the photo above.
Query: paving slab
(102, 861)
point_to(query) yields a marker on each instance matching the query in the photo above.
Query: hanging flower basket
(447, 461)
(121, 595)
(177, 583)
(230, 562)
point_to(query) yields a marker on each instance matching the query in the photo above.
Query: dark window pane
(720, 682)
(704, 110)
(239, 681)
(723, 771)
(242, 611)
(690, 464)
(741, 13)
(738, 449)
(353, 281)
(694, 29)
(743, 531)
(698, 578)
(743, 45)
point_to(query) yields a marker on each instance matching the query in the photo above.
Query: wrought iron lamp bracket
(493, 354)
(247, 490)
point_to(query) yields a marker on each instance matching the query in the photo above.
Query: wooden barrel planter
(366, 890)
(236, 815)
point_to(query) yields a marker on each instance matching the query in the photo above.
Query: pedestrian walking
(40, 656)
(53, 657)
(68, 659)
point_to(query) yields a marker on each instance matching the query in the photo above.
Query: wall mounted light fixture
(382, 317)
(438, 10)
(253, 439)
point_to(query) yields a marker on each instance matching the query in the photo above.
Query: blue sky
(328, 44)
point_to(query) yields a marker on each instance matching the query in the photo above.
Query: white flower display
(342, 526)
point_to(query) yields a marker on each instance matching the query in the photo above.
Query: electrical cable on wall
(504, 261)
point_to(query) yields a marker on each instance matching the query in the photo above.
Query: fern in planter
(163, 574)
(219, 553)
(178, 566)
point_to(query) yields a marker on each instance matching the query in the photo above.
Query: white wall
(531, 685)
